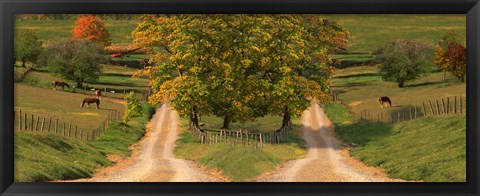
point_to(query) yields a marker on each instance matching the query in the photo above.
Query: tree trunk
(226, 122)
(23, 62)
(194, 116)
(79, 85)
(286, 117)
(400, 84)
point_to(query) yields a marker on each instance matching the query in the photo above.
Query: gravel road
(154, 160)
(325, 160)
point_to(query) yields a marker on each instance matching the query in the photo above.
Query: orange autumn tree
(91, 28)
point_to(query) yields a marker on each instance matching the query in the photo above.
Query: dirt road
(154, 160)
(326, 161)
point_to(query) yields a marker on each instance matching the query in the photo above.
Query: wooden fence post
(398, 117)
(438, 109)
(31, 124)
(431, 107)
(43, 123)
(448, 105)
(461, 104)
(415, 117)
(56, 126)
(36, 124)
(443, 106)
(25, 128)
(49, 123)
(455, 104)
(20, 120)
(81, 135)
(69, 129)
(424, 109)
(410, 111)
(75, 133)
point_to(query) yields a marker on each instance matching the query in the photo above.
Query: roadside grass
(119, 137)
(50, 31)
(359, 87)
(430, 149)
(43, 157)
(240, 164)
(63, 105)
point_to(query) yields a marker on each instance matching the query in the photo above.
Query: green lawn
(237, 162)
(430, 149)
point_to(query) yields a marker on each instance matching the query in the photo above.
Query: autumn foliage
(456, 57)
(91, 28)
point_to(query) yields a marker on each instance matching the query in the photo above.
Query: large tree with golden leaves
(239, 67)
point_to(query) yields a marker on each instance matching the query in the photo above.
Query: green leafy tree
(133, 108)
(78, 61)
(402, 61)
(247, 66)
(28, 47)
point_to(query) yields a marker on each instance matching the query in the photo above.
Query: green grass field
(66, 106)
(359, 87)
(430, 149)
(45, 157)
(370, 30)
(113, 78)
(50, 31)
(240, 163)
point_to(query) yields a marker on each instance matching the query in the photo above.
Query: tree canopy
(78, 61)
(239, 67)
(91, 28)
(28, 47)
(403, 60)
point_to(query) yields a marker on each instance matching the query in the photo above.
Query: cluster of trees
(403, 60)
(77, 59)
(239, 67)
(451, 56)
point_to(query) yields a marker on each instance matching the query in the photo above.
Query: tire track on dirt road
(154, 161)
(324, 161)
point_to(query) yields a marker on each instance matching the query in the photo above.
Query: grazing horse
(59, 83)
(384, 100)
(90, 100)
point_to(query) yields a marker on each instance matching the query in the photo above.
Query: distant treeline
(76, 16)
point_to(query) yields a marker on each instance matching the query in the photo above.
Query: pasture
(65, 106)
(114, 78)
(359, 87)
(50, 31)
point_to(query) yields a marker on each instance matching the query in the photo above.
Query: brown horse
(59, 83)
(90, 100)
(98, 93)
(384, 100)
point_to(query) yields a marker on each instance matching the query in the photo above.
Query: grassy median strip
(237, 162)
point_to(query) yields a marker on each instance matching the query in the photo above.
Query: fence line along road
(41, 124)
